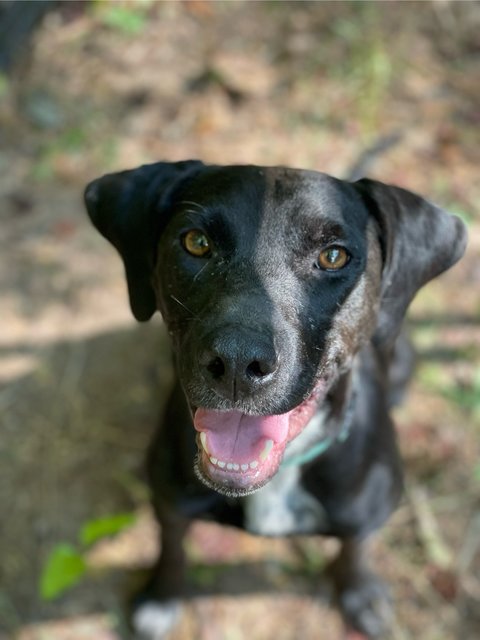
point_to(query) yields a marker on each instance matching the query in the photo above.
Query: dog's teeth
(266, 450)
(235, 466)
(203, 440)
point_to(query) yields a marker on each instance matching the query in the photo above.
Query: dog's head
(269, 280)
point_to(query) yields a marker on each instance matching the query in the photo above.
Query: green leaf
(107, 526)
(129, 20)
(63, 569)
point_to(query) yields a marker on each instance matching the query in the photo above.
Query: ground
(112, 85)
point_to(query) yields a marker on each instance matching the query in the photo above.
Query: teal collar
(321, 447)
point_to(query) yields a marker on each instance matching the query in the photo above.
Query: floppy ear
(127, 208)
(419, 241)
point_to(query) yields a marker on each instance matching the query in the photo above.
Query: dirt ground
(111, 85)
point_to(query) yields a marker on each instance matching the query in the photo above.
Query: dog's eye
(196, 243)
(333, 258)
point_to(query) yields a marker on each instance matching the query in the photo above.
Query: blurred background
(92, 87)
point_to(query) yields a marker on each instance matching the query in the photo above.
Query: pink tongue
(232, 435)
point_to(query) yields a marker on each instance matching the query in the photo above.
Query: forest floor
(112, 85)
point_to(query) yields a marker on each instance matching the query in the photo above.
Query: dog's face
(269, 280)
(253, 269)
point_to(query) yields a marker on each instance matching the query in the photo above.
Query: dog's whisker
(197, 275)
(182, 304)
(191, 212)
(193, 204)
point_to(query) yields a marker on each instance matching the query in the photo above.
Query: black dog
(283, 292)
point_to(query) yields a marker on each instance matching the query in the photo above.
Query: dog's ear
(419, 241)
(128, 209)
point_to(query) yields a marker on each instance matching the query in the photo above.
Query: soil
(105, 86)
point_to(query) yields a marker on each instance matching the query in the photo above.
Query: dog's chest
(283, 506)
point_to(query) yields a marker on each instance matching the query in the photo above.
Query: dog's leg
(159, 606)
(362, 597)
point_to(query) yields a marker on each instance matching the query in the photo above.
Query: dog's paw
(153, 619)
(366, 606)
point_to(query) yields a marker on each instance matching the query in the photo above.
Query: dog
(283, 292)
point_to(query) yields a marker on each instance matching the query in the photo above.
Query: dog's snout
(234, 361)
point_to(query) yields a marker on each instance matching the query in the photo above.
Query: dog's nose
(237, 361)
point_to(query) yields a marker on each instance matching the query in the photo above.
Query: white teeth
(234, 466)
(266, 450)
(203, 440)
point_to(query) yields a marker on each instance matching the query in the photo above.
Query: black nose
(238, 362)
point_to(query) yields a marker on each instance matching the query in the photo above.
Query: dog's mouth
(239, 453)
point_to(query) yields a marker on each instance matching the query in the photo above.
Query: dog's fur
(293, 353)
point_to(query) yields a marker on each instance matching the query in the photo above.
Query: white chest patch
(283, 506)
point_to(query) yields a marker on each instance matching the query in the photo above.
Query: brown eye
(333, 258)
(196, 243)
